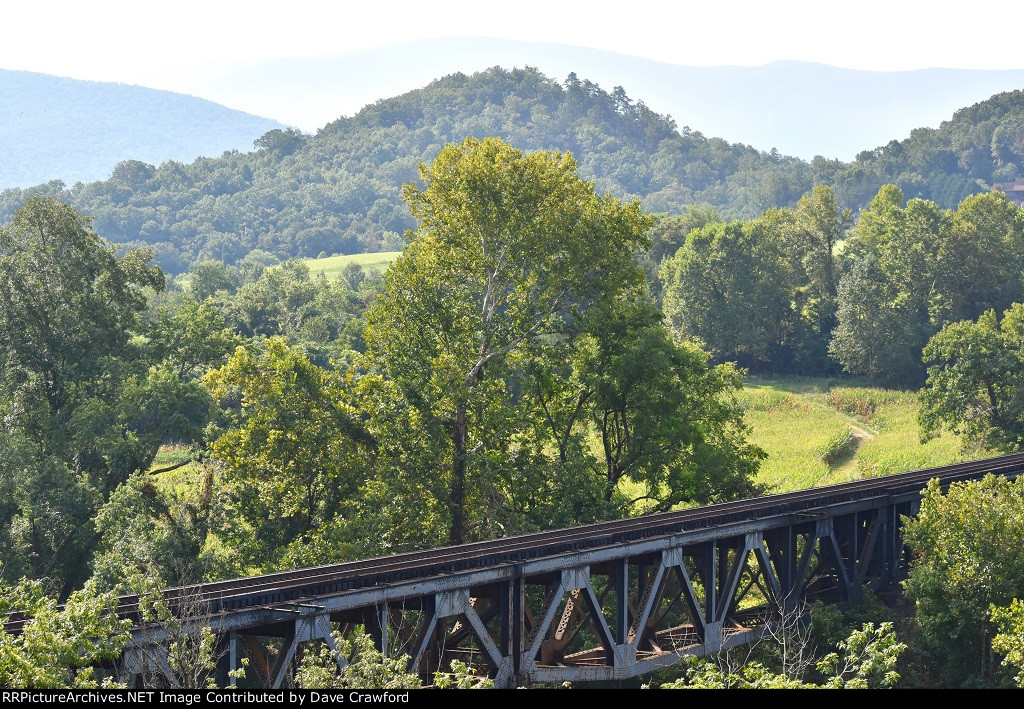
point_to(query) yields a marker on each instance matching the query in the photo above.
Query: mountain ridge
(804, 109)
(77, 130)
(339, 191)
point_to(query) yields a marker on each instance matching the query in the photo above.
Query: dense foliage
(803, 290)
(909, 270)
(510, 372)
(761, 292)
(966, 559)
(975, 385)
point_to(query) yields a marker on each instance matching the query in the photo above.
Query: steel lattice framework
(606, 601)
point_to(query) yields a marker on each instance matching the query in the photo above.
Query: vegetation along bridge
(604, 601)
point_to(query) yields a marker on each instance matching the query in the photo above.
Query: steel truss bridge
(605, 601)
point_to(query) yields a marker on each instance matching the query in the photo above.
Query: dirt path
(849, 468)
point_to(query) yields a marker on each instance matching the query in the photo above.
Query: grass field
(332, 266)
(823, 431)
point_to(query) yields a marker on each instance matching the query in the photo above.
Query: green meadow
(332, 266)
(823, 431)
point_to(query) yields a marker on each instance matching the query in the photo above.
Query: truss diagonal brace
(764, 560)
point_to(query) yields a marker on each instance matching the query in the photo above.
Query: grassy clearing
(171, 454)
(332, 266)
(824, 431)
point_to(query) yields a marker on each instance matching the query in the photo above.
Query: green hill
(339, 191)
(979, 145)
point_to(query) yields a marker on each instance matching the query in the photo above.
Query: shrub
(838, 446)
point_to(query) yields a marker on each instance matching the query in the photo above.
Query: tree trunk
(457, 493)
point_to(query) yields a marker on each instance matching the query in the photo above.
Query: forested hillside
(981, 144)
(339, 191)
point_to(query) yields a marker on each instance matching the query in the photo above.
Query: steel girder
(609, 613)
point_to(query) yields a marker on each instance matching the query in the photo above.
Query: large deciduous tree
(511, 249)
(966, 559)
(520, 376)
(975, 383)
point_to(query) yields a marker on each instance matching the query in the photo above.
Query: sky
(172, 45)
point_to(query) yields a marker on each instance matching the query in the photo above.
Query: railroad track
(306, 584)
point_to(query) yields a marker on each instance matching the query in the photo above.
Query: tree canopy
(515, 273)
(967, 558)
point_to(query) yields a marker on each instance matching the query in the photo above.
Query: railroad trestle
(599, 614)
(607, 601)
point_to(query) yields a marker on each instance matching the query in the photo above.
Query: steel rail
(300, 584)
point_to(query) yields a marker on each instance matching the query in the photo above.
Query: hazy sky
(166, 45)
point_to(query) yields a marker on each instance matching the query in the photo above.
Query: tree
(975, 384)
(321, 316)
(207, 278)
(878, 331)
(56, 274)
(59, 646)
(966, 559)
(890, 277)
(812, 242)
(159, 530)
(731, 287)
(294, 454)
(511, 249)
(820, 225)
(282, 142)
(666, 419)
(980, 265)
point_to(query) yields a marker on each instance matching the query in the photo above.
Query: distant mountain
(800, 108)
(57, 128)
